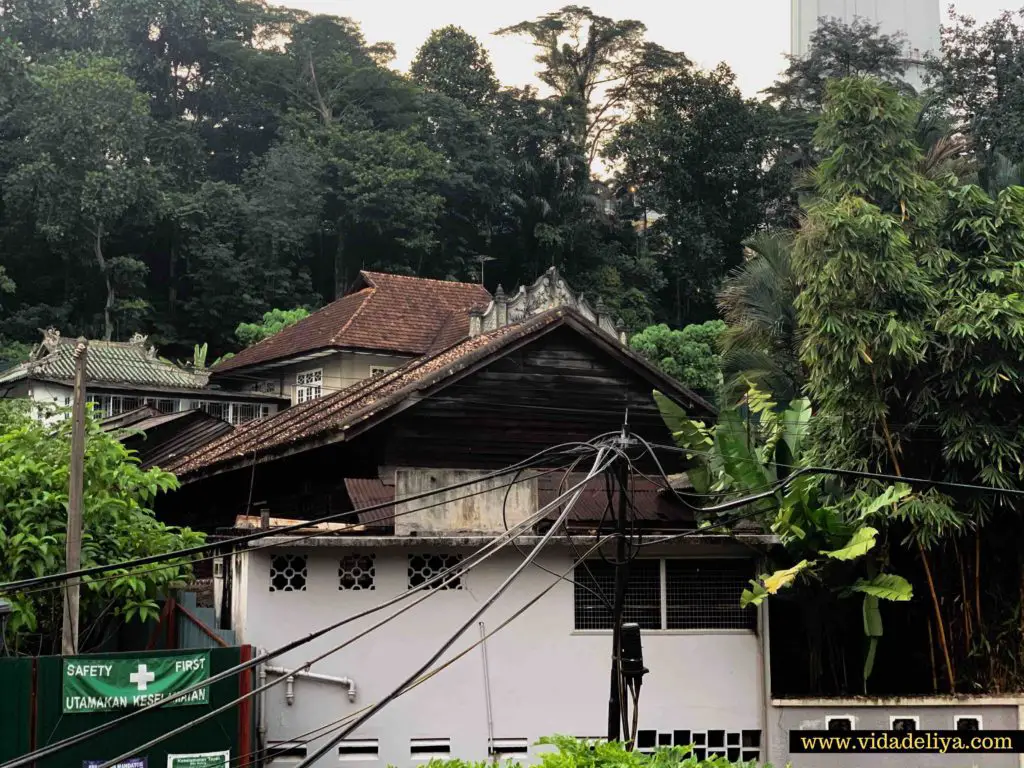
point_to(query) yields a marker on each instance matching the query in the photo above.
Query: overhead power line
(22, 584)
(498, 542)
(315, 733)
(306, 536)
(599, 465)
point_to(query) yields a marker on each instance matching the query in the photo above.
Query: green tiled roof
(109, 362)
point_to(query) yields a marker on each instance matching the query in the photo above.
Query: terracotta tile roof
(341, 410)
(319, 421)
(389, 313)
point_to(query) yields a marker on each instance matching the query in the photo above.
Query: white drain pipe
(289, 695)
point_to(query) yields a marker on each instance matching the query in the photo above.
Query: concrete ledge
(905, 701)
(475, 541)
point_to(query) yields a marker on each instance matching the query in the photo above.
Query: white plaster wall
(544, 677)
(340, 370)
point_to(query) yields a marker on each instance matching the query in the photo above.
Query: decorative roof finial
(51, 338)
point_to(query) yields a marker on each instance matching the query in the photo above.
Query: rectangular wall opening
(358, 749)
(510, 748)
(282, 753)
(428, 749)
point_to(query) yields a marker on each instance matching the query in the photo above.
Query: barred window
(357, 572)
(595, 590)
(423, 568)
(705, 594)
(288, 573)
(681, 594)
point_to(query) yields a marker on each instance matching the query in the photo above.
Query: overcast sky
(751, 35)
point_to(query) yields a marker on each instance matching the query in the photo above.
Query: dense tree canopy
(180, 168)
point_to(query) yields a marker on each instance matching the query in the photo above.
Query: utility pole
(73, 551)
(615, 700)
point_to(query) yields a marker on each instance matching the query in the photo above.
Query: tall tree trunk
(339, 265)
(108, 306)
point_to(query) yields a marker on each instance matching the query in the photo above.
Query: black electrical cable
(106, 727)
(308, 736)
(863, 475)
(15, 586)
(297, 539)
(504, 520)
(462, 569)
(307, 762)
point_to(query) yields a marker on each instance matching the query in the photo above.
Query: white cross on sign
(142, 678)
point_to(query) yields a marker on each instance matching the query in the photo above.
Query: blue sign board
(135, 762)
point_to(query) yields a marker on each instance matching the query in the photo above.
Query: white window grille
(672, 594)
(309, 385)
(232, 412)
(288, 573)
(735, 746)
(266, 387)
(113, 405)
(357, 572)
(422, 568)
(379, 370)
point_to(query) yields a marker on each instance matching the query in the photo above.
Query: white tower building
(918, 20)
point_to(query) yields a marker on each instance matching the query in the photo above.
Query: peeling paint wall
(496, 504)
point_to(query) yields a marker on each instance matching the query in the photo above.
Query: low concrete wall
(932, 713)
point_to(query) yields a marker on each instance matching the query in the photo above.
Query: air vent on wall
(428, 749)
(967, 722)
(904, 723)
(510, 748)
(358, 749)
(839, 722)
(284, 753)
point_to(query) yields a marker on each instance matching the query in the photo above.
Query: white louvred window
(309, 385)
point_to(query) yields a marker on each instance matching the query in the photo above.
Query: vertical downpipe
(765, 683)
(487, 691)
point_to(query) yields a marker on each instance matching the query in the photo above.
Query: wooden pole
(73, 551)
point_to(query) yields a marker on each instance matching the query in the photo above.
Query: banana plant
(820, 529)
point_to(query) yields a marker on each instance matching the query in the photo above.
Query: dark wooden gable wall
(558, 388)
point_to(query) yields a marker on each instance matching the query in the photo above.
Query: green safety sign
(96, 684)
(204, 760)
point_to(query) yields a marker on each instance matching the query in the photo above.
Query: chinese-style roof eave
(345, 414)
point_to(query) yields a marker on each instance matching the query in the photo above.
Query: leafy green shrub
(118, 524)
(571, 752)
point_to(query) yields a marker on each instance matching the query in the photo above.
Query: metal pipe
(348, 682)
(261, 703)
(487, 690)
(289, 690)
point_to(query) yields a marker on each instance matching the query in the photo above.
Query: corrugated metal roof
(389, 313)
(166, 438)
(108, 362)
